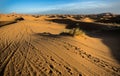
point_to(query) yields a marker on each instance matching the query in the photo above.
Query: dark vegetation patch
(36, 16)
(19, 19)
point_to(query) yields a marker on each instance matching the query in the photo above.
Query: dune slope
(27, 49)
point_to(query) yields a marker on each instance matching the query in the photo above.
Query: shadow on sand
(4, 23)
(50, 35)
(110, 38)
(110, 35)
(83, 25)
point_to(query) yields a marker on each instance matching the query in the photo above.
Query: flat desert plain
(33, 45)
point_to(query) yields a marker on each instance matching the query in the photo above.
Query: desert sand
(34, 47)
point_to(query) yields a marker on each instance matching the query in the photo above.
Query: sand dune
(33, 47)
(87, 19)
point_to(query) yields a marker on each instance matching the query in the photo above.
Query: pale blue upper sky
(60, 6)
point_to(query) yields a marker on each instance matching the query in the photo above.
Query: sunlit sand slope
(35, 48)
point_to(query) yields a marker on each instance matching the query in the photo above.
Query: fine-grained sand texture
(35, 48)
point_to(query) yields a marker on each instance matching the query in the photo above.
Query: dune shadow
(110, 35)
(4, 23)
(47, 34)
(82, 25)
(50, 35)
(111, 38)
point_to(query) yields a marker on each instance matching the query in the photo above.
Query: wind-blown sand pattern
(35, 48)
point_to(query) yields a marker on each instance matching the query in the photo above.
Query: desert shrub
(52, 16)
(77, 31)
(19, 19)
(36, 16)
(73, 32)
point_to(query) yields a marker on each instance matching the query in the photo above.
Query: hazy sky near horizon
(60, 6)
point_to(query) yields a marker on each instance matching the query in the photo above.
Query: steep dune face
(35, 48)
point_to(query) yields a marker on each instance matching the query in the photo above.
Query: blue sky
(60, 6)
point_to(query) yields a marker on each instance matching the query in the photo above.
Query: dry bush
(19, 19)
(73, 32)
